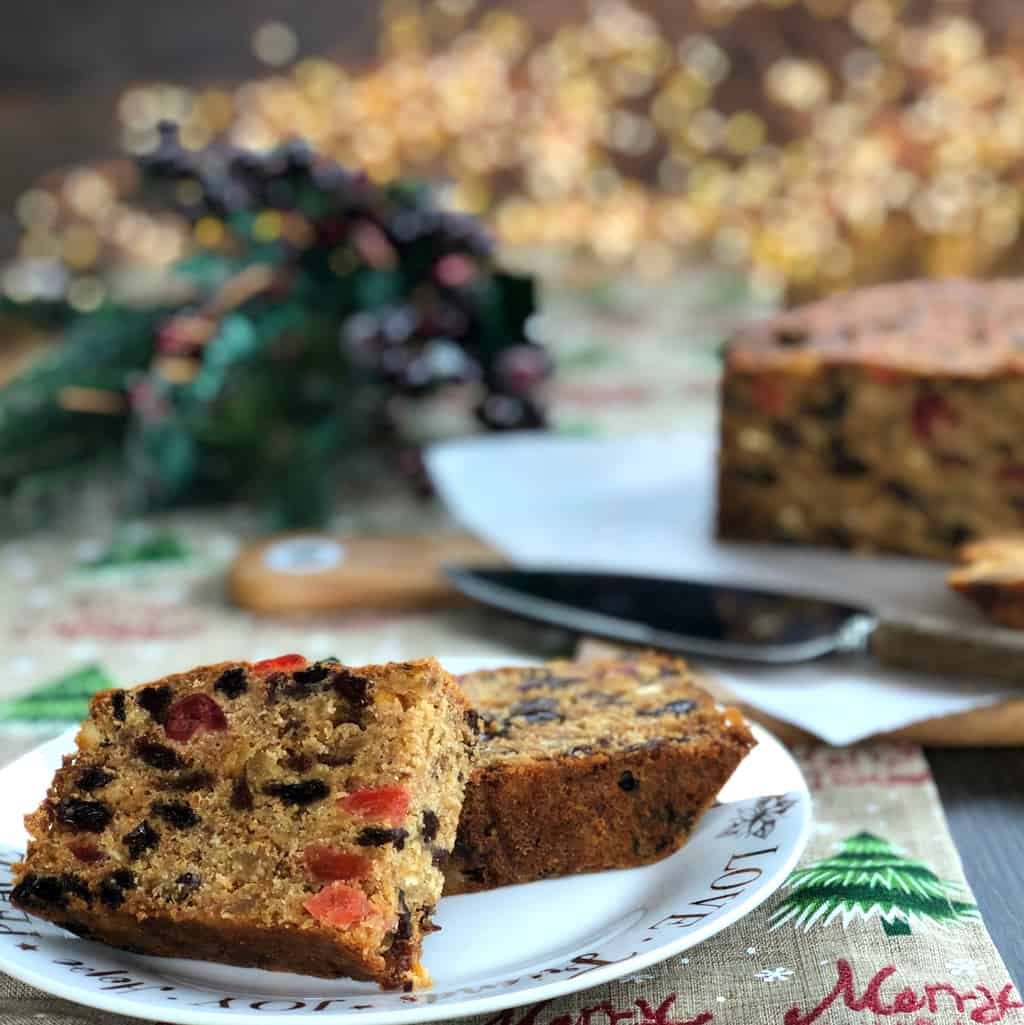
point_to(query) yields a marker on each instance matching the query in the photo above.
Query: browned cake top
(576, 709)
(951, 328)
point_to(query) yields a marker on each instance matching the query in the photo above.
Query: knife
(733, 622)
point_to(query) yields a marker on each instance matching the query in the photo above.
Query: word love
(979, 1005)
(604, 1013)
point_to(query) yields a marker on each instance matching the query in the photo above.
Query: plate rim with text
(140, 986)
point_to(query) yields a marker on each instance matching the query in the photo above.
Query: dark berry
(197, 779)
(232, 682)
(680, 707)
(187, 883)
(93, 778)
(844, 463)
(113, 886)
(241, 795)
(76, 886)
(195, 714)
(177, 813)
(314, 674)
(117, 705)
(39, 892)
(141, 839)
(297, 761)
(86, 852)
(378, 836)
(156, 701)
(403, 929)
(439, 857)
(473, 720)
(157, 755)
(430, 825)
(627, 782)
(537, 710)
(352, 687)
(305, 792)
(92, 816)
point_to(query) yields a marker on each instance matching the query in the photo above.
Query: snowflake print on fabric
(779, 974)
(760, 818)
(962, 966)
(870, 878)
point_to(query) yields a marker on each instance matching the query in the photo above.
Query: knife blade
(738, 623)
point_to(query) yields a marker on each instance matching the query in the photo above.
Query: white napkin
(644, 504)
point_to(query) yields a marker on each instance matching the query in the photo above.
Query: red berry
(328, 863)
(769, 396)
(194, 714)
(86, 852)
(382, 804)
(930, 414)
(339, 904)
(281, 664)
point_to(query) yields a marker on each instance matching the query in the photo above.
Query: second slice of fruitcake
(280, 814)
(588, 766)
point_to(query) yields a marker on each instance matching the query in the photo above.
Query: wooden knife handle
(929, 644)
(308, 572)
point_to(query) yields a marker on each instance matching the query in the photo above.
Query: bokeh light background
(811, 144)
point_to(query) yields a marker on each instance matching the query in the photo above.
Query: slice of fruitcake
(588, 766)
(280, 814)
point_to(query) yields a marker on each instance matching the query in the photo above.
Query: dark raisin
(314, 674)
(430, 825)
(241, 795)
(537, 710)
(117, 705)
(305, 792)
(232, 682)
(403, 930)
(756, 475)
(680, 707)
(378, 836)
(627, 782)
(439, 857)
(39, 892)
(957, 534)
(93, 778)
(141, 839)
(297, 761)
(791, 337)
(833, 408)
(76, 886)
(187, 883)
(352, 687)
(786, 434)
(473, 720)
(112, 887)
(899, 491)
(197, 779)
(156, 701)
(158, 755)
(177, 813)
(843, 462)
(93, 816)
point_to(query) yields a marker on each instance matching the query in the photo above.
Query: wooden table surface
(982, 792)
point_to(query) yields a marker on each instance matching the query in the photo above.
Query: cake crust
(992, 576)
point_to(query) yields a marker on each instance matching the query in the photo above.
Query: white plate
(505, 948)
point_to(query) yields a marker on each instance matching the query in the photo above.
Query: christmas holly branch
(315, 300)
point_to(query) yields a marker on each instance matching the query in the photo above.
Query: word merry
(603, 1013)
(987, 1007)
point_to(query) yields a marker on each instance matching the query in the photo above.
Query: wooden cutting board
(312, 572)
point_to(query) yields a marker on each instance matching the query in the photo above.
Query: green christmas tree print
(66, 699)
(133, 548)
(870, 878)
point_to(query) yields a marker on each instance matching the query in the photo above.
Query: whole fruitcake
(588, 766)
(992, 576)
(284, 815)
(889, 418)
